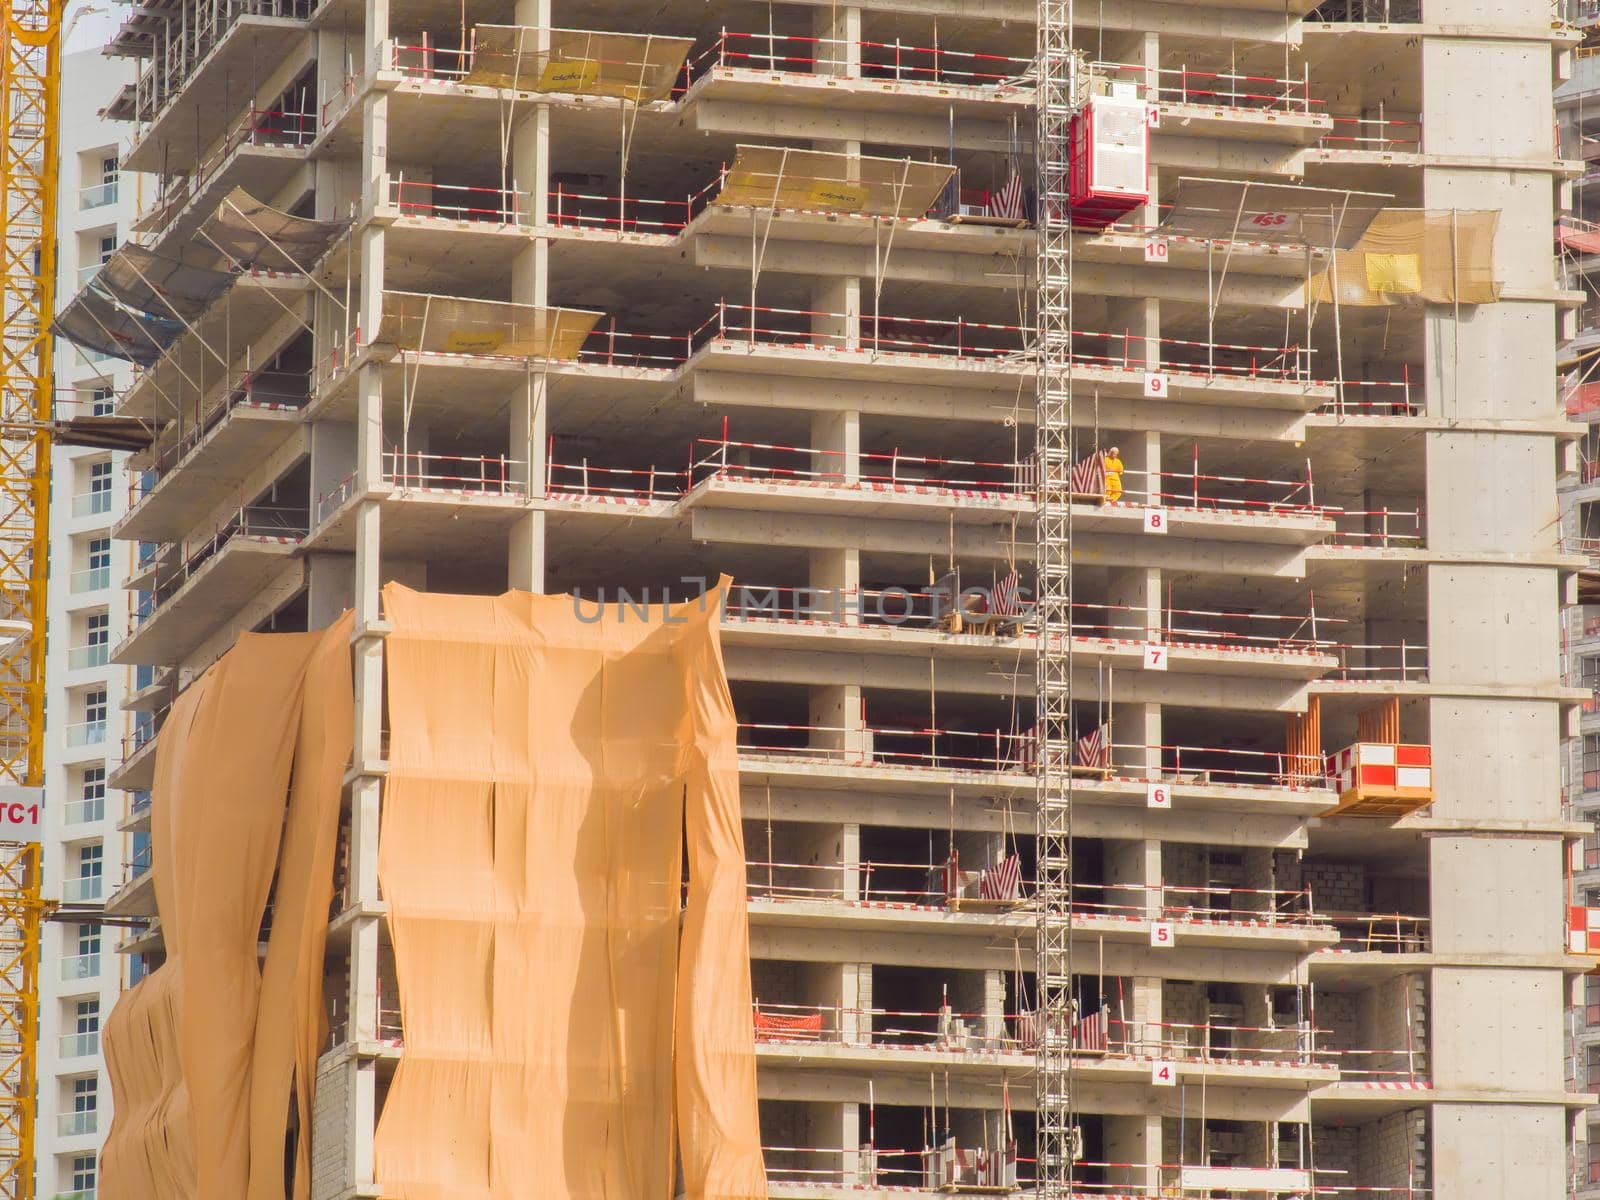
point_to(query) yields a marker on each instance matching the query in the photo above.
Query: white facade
(85, 856)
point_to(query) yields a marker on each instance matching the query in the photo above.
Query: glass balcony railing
(86, 733)
(84, 812)
(77, 1124)
(84, 658)
(88, 504)
(94, 579)
(80, 1045)
(98, 195)
(76, 967)
(84, 888)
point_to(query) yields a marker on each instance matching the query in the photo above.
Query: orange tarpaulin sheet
(543, 768)
(202, 1054)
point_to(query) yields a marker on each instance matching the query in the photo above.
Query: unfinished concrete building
(605, 297)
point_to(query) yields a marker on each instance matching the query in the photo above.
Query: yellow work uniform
(1113, 466)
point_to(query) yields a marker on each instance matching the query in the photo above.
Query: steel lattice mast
(29, 161)
(1059, 97)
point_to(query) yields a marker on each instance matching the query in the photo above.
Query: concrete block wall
(1394, 1151)
(1336, 887)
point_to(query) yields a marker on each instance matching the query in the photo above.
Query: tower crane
(30, 70)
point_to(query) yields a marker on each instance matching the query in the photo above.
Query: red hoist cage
(1110, 174)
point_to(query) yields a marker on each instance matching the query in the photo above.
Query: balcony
(83, 889)
(79, 1045)
(86, 658)
(77, 968)
(77, 1124)
(98, 195)
(84, 812)
(95, 579)
(92, 503)
(86, 733)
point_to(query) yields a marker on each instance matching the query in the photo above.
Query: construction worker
(1112, 461)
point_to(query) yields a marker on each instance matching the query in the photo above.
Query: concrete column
(1135, 1139)
(836, 436)
(838, 47)
(365, 788)
(530, 284)
(837, 722)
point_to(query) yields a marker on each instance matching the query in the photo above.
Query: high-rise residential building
(86, 856)
(581, 296)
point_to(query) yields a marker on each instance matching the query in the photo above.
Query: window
(108, 246)
(98, 626)
(100, 553)
(100, 477)
(102, 401)
(87, 1016)
(91, 803)
(1592, 1061)
(95, 706)
(88, 939)
(1591, 852)
(91, 873)
(1594, 1154)
(108, 169)
(83, 1173)
(86, 1094)
(1591, 999)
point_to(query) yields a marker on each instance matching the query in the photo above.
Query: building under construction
(1133, 432)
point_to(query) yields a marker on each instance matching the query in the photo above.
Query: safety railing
(1382, 933)
(328, 502)
(1375, 397)
(881, 884)
(1216, 89)
(583, 479)
(985, 751)
(343, 97)
(270, 390)
(983, 341)
(1377, 529)
(1371, 662)
(584, 209)
(927, 607)
(480, 475)
(1006, 751)
(1374, 12)
(719, 458)
(259, 522)
(901, 62)
(1387, 135)
(423, 58)
(458, 202)
(257, 127)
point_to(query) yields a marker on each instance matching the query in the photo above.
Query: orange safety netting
(544, 771)
(206, 1053)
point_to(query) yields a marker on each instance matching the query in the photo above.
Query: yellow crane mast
(29, 167)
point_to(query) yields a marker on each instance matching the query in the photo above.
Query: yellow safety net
(638, 67)
(546, 766)
(1442, 256)
(209, 1053)
(820, 181)
(456, 325)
